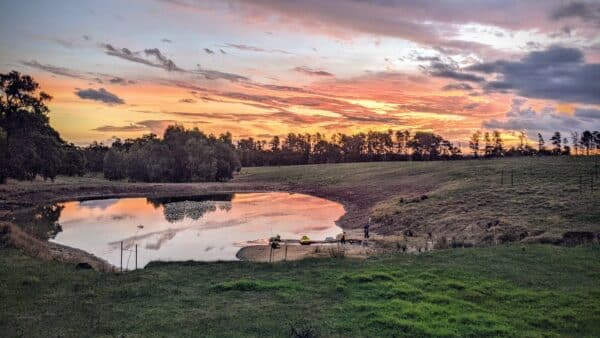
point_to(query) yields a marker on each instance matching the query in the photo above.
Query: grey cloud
(166, 40)
(127, 54)
(588, 112)
(215, 74)
(100, 95)
(155, 126)
(208, 51)
(65, 43)
(545, 121)
(458, 86)
(120, 81)
(557, 73)
(255, 49)
(428, 58)
(129, 128)
(53, 69)
(161, 61)
(451, 71)
(586, 11)
(187, 101)
(409, 20)
(312, 72)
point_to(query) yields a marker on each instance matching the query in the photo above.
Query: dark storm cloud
(458, 86)
(53, 69)
(100, 95)
(557, 73)
(312, 72)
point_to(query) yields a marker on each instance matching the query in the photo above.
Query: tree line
(401, 145)
(491, 145)
(361, 147)
(29, 146)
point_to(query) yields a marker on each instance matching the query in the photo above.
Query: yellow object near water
(305, 240)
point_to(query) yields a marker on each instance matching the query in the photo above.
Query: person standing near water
(366, 228)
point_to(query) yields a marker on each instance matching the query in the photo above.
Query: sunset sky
(264, 68)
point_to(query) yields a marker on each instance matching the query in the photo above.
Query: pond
(201, 228)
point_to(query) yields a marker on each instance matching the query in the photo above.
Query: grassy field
(465, 199)
(498, 291)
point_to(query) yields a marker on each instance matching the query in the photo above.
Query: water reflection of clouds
(201, 229)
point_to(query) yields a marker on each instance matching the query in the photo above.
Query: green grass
(497, 291)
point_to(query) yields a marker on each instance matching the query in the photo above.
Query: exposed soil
(261, 253)
(12, 236)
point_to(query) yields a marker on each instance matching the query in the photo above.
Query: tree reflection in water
(41, 222)
(176, 209)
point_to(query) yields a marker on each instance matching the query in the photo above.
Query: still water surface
(204, 228)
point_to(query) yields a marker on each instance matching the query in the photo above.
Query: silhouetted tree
(31, 146)
(587, 141)
(498, 144)
(575, 141)
(556, 140)
(541, 144)
(474, 143)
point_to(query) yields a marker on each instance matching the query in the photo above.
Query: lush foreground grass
(506, 290)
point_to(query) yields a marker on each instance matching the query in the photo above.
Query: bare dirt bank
(12, 236)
